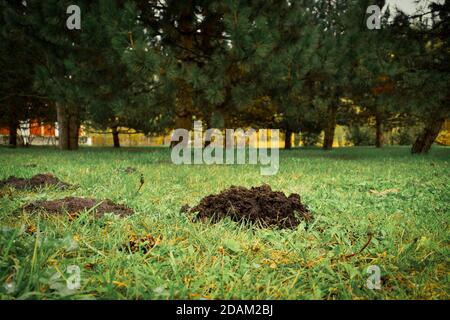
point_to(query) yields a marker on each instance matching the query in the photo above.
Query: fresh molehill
(259, 205)
(74, 206)
(35, 182)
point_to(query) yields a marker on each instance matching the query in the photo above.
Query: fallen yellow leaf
(119, 284)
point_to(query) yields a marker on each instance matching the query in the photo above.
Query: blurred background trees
(304, 67)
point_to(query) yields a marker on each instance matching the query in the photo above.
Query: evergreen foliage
(156, 65)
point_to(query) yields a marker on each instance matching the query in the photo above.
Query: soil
(74, 206)
(185, 208)
(37, 181)
(142, 244)
(259, 205)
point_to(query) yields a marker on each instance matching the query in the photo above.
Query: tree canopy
(153, 66)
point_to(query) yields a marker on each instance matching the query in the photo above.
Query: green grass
(228, 260)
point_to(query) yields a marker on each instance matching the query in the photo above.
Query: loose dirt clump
(74, 206)
(258, 205)
(37, 181)
(142, 244)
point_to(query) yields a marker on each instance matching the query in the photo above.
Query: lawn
(395, 203)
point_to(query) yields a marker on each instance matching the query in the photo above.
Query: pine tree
(19, 101)
(423, 73)
(44, 25)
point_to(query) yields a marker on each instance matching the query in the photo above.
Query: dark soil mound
(74, 206)
(259, 205)
(37, 181)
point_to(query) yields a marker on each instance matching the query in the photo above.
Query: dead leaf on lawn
(31, 229)
(89, 266)
(143, 244)
(120, 284)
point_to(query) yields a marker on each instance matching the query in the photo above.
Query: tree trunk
(379, 131)
(429, 134)
(68, 127)
(330, 127)
(116, 140)
(13, 126)
(184, 105)
(182, 121)
(173, 144)
(288, 139)
(74, 126)
(63, 127)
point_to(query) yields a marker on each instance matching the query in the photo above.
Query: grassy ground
(409, 223)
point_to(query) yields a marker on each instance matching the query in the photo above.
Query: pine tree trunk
(184, 106)
(182, 121)
(74, 132)
(185, 97)
(288, 139)
(63, 127)
(429, 134)
(115, 134)
(13, 126)
(330, 127)
(68, 125)
(379, 131)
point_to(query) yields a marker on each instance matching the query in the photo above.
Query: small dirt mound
(74, 206)
(37, 181)
(142, 244)
(259, 205)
